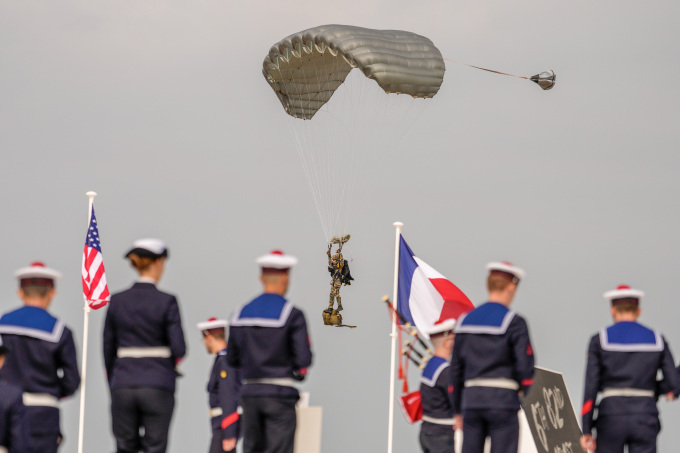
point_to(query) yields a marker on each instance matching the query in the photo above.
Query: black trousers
(502, 426)
(437, 442)
(269, 424)
(147, 408)
(43, 426)
(216, 442)
(637, 431)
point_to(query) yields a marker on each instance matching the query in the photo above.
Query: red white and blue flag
(425, 296)
(95, 289)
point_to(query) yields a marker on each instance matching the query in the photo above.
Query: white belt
(40, 399)
(606, 393)
(215, 412)
(284, 382)
(438, 421)
(500, 383)
(137, 353)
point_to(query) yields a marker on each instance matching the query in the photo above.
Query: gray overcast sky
(161, 107)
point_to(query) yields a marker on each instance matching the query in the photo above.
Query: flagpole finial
(398, 224)
(91, 194)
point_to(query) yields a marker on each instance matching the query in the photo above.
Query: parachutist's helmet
(545, 80)
(337, 257)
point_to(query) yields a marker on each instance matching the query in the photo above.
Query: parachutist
(339, 270)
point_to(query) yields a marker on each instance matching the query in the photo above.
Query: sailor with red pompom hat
(268, 341)
(492, 362)
(43, 361)
(623, 362)
(224, 388)
(436, 430)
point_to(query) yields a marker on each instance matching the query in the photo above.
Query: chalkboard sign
(550, 414)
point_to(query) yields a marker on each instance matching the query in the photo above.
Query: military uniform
(268, 341)
(623, 361)
(224, 388)
(436, 430)
(143, 342)
(492, 360)
(335, 269)
(14, 434)
(42, 363)
(224, 391)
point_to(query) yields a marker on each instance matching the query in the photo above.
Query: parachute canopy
(306, 68)
(545, 80)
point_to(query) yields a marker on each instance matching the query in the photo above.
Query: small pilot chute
(545, 80)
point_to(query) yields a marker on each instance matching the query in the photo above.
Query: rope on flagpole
(390, 420)
(86, 319)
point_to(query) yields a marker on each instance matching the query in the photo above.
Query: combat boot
(339, 306)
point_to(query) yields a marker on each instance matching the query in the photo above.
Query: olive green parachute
(306, 68)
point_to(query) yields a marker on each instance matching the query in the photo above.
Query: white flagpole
(86, 319)
(390, 427)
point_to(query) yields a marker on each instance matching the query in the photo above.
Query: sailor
(14, 435)
(623, 362)
(268, 341)
(43, 360)
(492, 361)
(224, 388)
(143, 344)
(436, 430)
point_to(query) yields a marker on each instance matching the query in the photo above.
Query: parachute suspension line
(356, 168)
(300, 150)
(485, 69)
(321, 183)
(315, 157)
(331, 150)
(415, 108)
(344, 204)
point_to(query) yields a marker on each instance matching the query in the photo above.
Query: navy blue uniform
(224, 389)
(43, 364)
(14, 434)
(143, 342)
(492, 360)
(436, 430)
(623, 361)
(268, 341)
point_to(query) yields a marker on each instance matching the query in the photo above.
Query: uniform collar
(33, 322)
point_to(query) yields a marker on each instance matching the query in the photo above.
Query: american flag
(95, 289)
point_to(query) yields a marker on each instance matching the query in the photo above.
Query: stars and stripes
(95, 289)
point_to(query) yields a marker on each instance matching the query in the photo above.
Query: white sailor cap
(37, 274)
(212, 324)
(276, 262)
(149, 247)
(624, 294)
(442, 327)
(506, 268)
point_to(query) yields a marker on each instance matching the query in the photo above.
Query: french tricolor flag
(425, 296)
